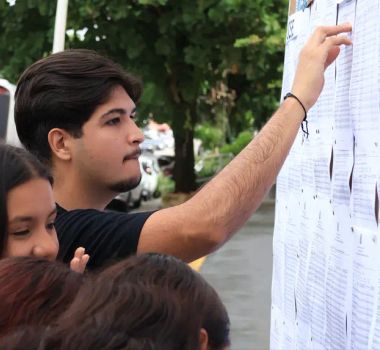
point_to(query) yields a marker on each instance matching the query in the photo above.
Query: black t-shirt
(104, 235)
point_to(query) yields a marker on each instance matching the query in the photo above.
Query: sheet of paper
(281, 219)
(339, 280)
(364, 88)
(343, 133)
(316, 282)
(342, 165)
(308, 218)
(295, 39)
(365, 286)
(290, 260)
(363, 197)
(323, 13)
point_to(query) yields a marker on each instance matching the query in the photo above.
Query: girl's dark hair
(147, 299)
(62, 91)
(197, 298)
(34, 292)
(109, 315)
(24, 338)
(17, 166)
(39, 338)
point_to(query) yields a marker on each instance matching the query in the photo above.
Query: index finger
(79, 252)
(321, 33)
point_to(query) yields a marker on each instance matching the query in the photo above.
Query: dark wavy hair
(17, 166)
(110, 315)
(34, 292)
(62, 91)
(197, 297)
(146, 299)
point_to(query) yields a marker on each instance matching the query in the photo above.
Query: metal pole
(60, 25)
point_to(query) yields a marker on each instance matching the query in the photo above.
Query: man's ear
(60, 143)
(203, 339)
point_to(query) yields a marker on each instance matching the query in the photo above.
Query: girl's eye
(113, 121)
(21, 233)
(50, 226)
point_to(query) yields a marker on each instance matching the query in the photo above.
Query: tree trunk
(183, 128)
(184, 175)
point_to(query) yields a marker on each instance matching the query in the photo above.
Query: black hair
(193, 291)
(149, 297)
(108, 314)
(62, 91)
(34, 291)
(17, 166)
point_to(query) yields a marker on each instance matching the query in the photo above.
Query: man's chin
(126, 185)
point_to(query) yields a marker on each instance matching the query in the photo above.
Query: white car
(7, 124)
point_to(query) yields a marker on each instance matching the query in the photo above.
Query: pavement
(241, 273)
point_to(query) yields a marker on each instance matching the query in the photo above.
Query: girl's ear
(203, 339)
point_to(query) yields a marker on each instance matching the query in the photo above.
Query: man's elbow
(209, 240)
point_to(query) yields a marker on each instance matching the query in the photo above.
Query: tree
(181, 49)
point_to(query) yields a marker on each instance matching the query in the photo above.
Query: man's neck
(72, 194)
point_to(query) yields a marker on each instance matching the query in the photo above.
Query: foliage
(165, 184)
(210, 136)
(210, 165)
(181, 49)
(240, 142)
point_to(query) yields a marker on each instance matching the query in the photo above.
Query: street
(241, 272)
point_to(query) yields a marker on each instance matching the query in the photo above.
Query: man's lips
(134, 155)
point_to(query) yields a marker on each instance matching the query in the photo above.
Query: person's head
(184, 284)
(34, 292)
(77, 107)
(39, 338)
(27, 207)
(24, 338)
(109, 314)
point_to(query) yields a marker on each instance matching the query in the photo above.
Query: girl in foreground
(27, 209)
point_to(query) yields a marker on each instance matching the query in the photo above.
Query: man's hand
(79, 261)
(319, 52)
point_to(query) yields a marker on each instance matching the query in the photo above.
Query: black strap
(305, 128)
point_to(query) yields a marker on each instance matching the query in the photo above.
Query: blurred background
(212, 71)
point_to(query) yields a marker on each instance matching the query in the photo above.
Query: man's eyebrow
(118, 110)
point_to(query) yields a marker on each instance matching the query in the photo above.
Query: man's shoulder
(91, 216)
(104, 234)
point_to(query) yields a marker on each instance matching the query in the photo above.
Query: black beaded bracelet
(306, 129)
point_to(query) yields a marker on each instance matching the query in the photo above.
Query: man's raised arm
(221, 207)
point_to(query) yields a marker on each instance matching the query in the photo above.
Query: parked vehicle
(7, 124)
(166, 164)
(151, 170)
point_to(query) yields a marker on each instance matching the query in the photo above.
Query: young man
(75, 110)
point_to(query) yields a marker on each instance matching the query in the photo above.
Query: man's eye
(113, 121)
(21, 233)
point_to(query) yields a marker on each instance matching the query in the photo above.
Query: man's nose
(135, 134)
(46, 247)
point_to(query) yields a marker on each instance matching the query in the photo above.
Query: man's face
(106, 156)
